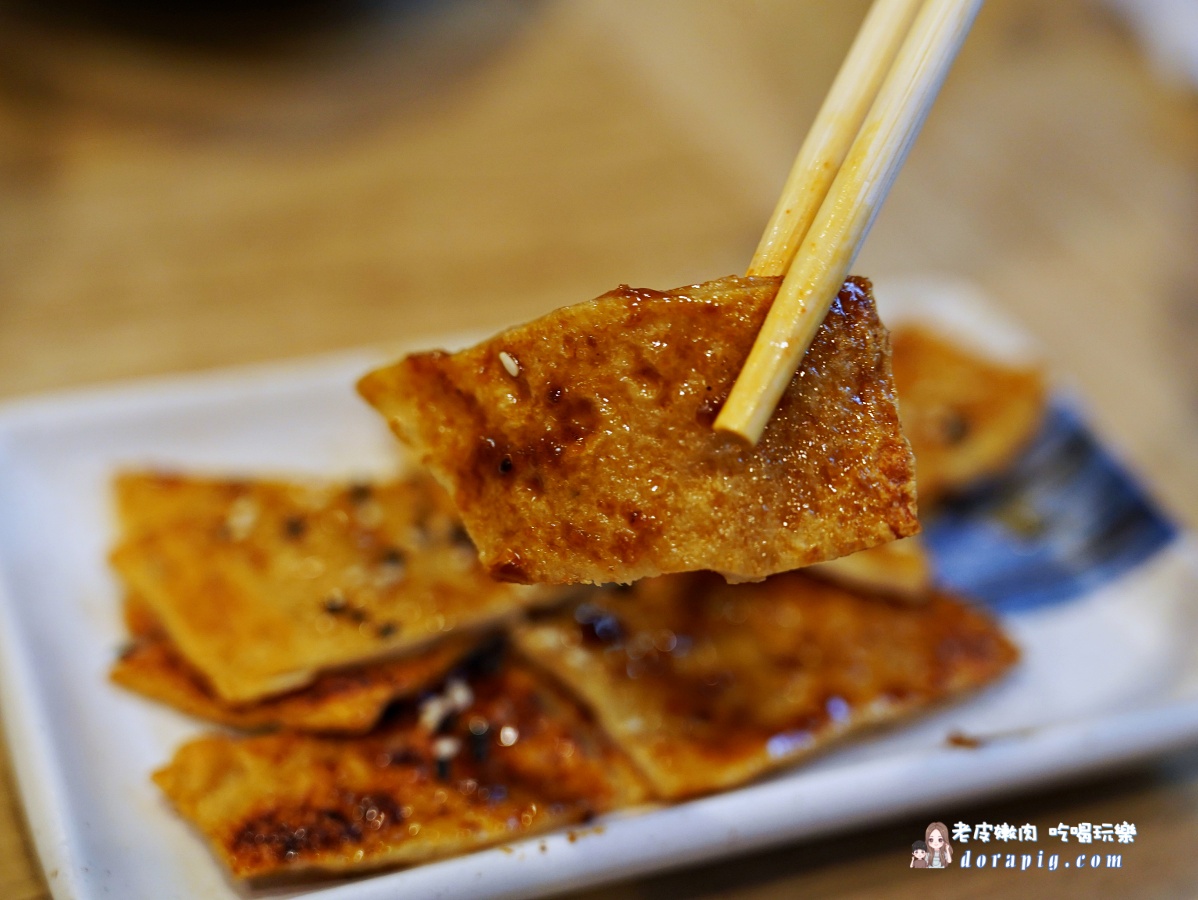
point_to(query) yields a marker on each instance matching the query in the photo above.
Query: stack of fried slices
(391, 695)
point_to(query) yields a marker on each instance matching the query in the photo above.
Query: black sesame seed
(955, 427)
(393, 556)
(361, 491)
(505, 465)
(443, 768)
(460, 536)
(480, 744)
(335, 603)
(294, 527)
(387, 629)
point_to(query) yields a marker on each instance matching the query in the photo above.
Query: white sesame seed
(369, 514)
(389, 574)
(432, 713)
(508, 735)
(241, 518)
(310, 567)
(458, 694)
(447, 747)
(509, 363)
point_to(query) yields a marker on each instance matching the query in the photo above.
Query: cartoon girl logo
(940, 851)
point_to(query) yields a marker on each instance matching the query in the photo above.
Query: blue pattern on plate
(1063, 520)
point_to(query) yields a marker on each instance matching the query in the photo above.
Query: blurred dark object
(219, 26)
(272, 70)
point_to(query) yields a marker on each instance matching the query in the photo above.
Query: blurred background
(194, 185)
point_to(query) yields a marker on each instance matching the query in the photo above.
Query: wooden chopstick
(837, 123)
(846, 214)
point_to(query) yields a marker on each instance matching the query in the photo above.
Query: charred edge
(288, 836)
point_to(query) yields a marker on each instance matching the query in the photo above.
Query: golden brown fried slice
(147, 501)
(900, 570)
(706, 685)
(579, 447)
(139, 619)
(269, 583)
(966, 416)
(348, 700)
(527, 760)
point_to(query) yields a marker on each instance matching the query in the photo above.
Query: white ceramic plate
(1109, 673)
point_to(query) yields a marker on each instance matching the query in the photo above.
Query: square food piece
(269, 583)
(966, 415)
(347, 700)
(707, 685)
(520, 759)
(579, 447)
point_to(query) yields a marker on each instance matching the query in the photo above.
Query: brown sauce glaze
(287, 801)
(707, 684)
(621, 395)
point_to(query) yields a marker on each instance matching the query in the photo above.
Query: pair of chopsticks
(839, 180)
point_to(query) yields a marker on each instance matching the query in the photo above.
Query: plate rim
(46, 806)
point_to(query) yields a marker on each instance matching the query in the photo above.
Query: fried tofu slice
(899, 570)
(525, 760)
(268, 583)
(148, 500)
(967, 416)
(139, 619)
(579, 447)
(345, 701)
(707, 685)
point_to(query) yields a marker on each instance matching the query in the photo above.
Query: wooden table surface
(168, 207)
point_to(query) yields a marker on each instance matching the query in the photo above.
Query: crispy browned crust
(261, 585)
(597, 461)
(288, 802)
(706, 685)
(345, 701)
(966, 416)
